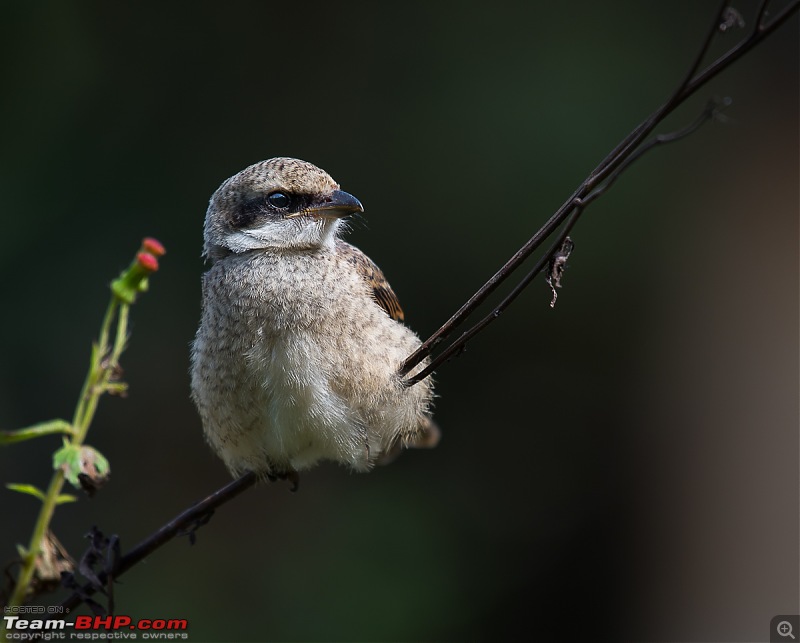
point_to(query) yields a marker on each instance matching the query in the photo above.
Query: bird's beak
(340, 204)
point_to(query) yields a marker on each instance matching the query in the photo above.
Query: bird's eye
(279, 200)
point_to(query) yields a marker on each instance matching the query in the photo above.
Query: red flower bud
(153, 246)
(134, 280)
(147, 261)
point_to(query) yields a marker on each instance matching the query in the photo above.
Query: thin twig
(174, 527)
(458, 345)
(709, 113)
(760, 14)
(609, 167)
(712, 111)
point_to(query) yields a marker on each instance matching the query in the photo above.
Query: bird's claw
(291, 476)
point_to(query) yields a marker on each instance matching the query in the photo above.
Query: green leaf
(26, 488)
(37, 430)
(64, 498)
(68, 459)
(75, 461)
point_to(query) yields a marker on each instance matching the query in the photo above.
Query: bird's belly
(301, 419)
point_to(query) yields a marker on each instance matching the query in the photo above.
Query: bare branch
(183, 523)
(608, 170)
(457, 346)
(761, 14)
(711, 112)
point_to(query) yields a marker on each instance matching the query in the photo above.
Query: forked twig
(595, 185)
(578, 206)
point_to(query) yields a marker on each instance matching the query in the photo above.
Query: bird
(301, 337)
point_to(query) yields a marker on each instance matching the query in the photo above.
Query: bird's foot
(291, 476)
(192, 527)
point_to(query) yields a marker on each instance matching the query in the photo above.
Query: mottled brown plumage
(381, 290)
(300, 341)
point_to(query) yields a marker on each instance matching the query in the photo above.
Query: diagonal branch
(711, 112)
(194, 516)
(615, 162)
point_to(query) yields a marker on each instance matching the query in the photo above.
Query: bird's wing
(381, 290)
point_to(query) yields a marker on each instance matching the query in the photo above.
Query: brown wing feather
(380, 288)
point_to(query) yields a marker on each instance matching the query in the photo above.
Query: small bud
(153, 246)
(147, 261)
(134, 280)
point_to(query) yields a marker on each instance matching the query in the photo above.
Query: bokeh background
(622, 467)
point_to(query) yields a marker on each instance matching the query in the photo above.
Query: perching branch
(599, 180)
(596, 184)
(184, 523)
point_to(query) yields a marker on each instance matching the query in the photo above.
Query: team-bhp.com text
(95, 628)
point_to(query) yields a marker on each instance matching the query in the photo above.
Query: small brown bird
(301, 337)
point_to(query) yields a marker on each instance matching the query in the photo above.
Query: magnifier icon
(785, 629)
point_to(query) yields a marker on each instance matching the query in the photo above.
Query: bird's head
(279, 204)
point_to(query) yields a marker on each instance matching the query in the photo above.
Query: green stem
(101, 368)
(121, 339)
(87, 402)
(34, 548)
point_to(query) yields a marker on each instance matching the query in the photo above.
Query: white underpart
(300, 232)
(310, 422)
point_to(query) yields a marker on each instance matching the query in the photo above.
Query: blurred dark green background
(622, 467)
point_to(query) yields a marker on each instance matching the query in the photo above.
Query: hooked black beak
(340, 204)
